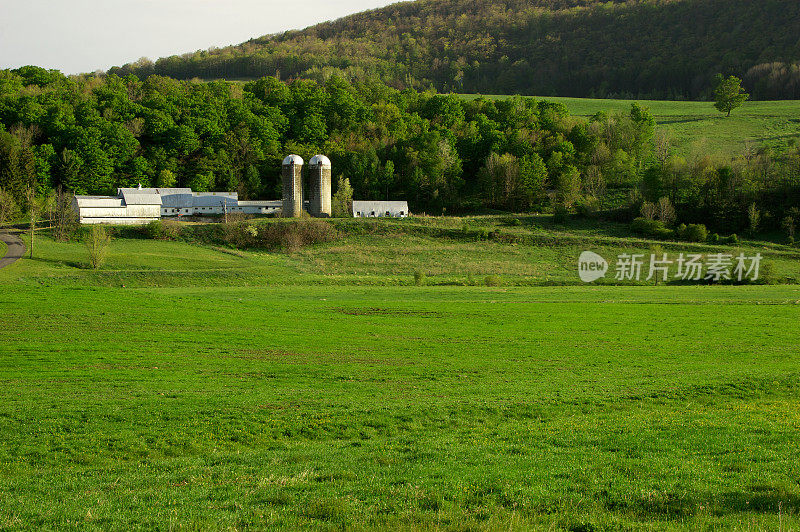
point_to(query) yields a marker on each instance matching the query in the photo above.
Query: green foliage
(651, 228)
(419, 278)
(96, 241)
(342, 199)
(588, 48)
(729, 94)
(692, 233)
(9, 209)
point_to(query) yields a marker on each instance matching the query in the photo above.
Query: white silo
(319, 182)
(292, 176)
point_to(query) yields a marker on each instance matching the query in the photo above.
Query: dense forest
(91, 135)
(658, 49)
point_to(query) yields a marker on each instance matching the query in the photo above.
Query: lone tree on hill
(729, 94)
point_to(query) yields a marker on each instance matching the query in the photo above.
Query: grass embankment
(697, 128)
(521, 250)
(301, 404)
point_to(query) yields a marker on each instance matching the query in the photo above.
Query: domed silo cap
(320, 160)
(295, 160)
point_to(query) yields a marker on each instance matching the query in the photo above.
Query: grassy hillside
(293, 403)
(591, 48)
(448, 251)
(698, 128)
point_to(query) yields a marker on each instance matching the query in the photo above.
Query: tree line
(442, 153)
(636, 49)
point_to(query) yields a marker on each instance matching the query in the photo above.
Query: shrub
(588, 207)
(651, 228)
(419, 278)
(492, 280)
(162, 230)
(560, 214)
(511, 221)
(694, 233)
(733, 239)
(96, 242)
(714, 238)
(289, 236)
(766, 273)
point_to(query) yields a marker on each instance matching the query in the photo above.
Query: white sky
(77, 36)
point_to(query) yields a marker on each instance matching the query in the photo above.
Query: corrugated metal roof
(263, 203)
(177, 200)
(213, 201)
(98, 201)
(138, 197)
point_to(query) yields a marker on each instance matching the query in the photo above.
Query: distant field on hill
(698, 128)
(195, 387)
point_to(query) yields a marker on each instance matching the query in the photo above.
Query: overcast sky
(78, 36)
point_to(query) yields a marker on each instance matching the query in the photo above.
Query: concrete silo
(292, 176)
(319, 182)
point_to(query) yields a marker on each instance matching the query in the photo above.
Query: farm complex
(134, 206)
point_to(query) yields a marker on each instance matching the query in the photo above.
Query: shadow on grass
(68, 263)
(762, 500)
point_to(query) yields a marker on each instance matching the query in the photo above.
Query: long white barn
(143, 205)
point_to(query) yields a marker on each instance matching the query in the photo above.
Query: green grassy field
(697, 128)
(321, 389)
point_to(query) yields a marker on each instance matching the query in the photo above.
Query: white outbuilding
(380, 209)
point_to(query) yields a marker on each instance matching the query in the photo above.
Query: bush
(289, 236)
(588, 207)
(162, 230)
(511, 221)
(492, 280)
(651, 228)
(419, 278)
(695, 233)
(733, 239)
(714, 238)
(560, 214)
(766, 273)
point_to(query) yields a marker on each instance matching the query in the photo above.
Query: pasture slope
(697, 129)
(256, 390)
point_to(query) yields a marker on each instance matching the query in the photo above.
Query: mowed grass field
(258, 390)
(698, 129)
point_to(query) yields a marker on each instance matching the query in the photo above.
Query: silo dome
(319, 160)
(293, 160)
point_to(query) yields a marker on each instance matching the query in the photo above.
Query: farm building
(380, 209)
(136, 207)
(143, 205)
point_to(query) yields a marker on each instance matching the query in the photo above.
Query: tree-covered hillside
(442, 153)
(666, 49)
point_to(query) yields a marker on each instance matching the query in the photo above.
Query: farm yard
(189, 386)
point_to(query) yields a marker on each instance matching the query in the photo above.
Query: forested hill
(667, 49)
